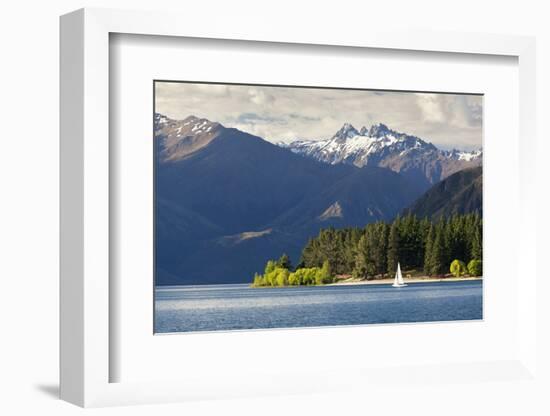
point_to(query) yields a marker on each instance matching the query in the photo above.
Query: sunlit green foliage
(475, 267)
(458, 268)
(280, 276)
(284, 262)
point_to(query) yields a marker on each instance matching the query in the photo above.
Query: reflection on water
(227, 307)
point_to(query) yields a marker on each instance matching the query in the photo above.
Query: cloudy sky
(285, 114)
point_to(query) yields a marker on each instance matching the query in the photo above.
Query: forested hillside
(460, 193)
(374, 250)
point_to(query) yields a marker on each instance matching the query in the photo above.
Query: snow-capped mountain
(183, 137)
(381, 146)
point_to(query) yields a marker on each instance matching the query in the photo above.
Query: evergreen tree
(393, 247)
(284, 262)
(364, 267)
(428, 251)
(438, 252)
(379, 245)
(423, 231)
(477, 247)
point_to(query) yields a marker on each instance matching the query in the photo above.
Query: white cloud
(282, 113)
(260, 97)
(431, 107)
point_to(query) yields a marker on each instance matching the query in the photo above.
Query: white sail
(399, 275)
(398, 281)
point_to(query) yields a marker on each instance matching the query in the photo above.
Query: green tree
(458, 268)
(270, 266)
(258, 280)
(282, 277)
(428, 252)
(324, 273)
(378, 247)
(363, 267)
(393, 247)
(438, 256)
(309, 275)
(477, 246)
(360, 268)
(475, 268)
(284, 262)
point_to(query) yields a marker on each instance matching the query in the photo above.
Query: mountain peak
(347, 131)
(379, 130)
(190, 118)
(183, 137)
(161, 119)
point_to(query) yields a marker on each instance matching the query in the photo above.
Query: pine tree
(363, 268)
(477, 246)
(325, 273)
(393, 247)
(284, 262)
(423, 230)
(349, 250)
(379, 247)
(428, 251)
(438, 257)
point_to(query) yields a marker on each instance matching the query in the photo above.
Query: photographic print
(295, 207)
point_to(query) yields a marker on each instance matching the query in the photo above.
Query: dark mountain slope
(240, 182)
(460, 193)
(365, 195)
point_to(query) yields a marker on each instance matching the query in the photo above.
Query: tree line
(438, 247)
(418, 244)
(279, 273)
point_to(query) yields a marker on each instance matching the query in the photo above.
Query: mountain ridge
(382, 146)
(460, 193)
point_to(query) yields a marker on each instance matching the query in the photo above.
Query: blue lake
(230, 307)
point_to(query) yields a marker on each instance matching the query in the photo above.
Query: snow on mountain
(381, 146)
(463, 155)
(347, 131)
(183, 137)
(359, 147)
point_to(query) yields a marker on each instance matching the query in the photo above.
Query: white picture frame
(86, 303)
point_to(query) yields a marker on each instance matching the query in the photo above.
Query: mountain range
(227, 201)
(381, 146)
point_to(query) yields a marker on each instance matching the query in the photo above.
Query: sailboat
(398, 282)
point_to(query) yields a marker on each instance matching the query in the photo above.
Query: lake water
(230, 307)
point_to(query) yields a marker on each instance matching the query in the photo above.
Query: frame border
(84, 179)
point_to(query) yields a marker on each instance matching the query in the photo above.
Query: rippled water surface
(228, 307)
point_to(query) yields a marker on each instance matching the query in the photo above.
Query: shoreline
(410, 280)
(385, 281)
